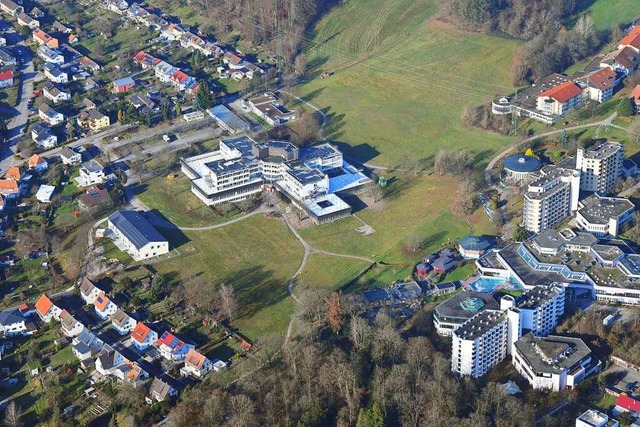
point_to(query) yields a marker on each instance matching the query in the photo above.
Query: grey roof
(67, 152)
(602, 150)
(305, 175)
(124, 81)
(87, 286)
(322, 151)
(521, 163)
(82, 348)
(92, 166)
(457, 307)
(159, 388)
(552, 354)
(537, 296)
(598, 210)
(523, 270)
(136, 228)
(448, 285)
(10, 317)
(480, 324)
(119, 318)
(552, 239)
(607, 252)
(475, 243)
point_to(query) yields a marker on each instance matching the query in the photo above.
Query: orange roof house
(14, 173)
(195, 359)
(102, 301)
(8, 187)
(35, 160)
(632, 39)
(41, 37)
(140, 332)
(563, 92)
(46, 309)
(635, 95)
(603, 79)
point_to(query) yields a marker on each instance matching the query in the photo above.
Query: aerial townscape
(356, 213)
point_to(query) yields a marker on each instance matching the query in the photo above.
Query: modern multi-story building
(310, 177)
(595, 418)
(551, 198)
(450, 314)
(489, 336)
(553, 362)
(600, 167)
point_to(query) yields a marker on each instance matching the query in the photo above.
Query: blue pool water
(489, 284)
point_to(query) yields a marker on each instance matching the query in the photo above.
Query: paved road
(21, 112)
(606, 122)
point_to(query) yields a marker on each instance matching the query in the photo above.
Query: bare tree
(360, 333)
(228, 302)
(414, 243)
(335, 313)
(375, 192)
(12, 415)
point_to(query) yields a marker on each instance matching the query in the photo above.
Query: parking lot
(625, 380)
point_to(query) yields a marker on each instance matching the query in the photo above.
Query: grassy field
(402, 79)
(174, 200)
(256, 256)
(417, 205)
(329, 272)
(606, 13)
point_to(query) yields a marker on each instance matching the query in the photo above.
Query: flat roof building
(604, 216)
(554, 362)
(600, 167)
(450, 314)
(595, 418)
(520, 166)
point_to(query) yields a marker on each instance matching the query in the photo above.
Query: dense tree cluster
(368, 374)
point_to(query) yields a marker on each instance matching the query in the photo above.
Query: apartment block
(600, 167)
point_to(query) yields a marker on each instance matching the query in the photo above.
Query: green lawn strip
(111, 251)
(257, 256)
(607, 13)
(416, 205)
(174, 200)
(460, 273)
(380, 276)
(330, 272)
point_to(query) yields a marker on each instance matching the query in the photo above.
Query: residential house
(635, 96)
(270, 108)
(595, 418)
(233, 61)
(46, 309)
(560, 99)
(91, 173)
(161, 390)
(624, 61)
(89, 291)
(36, 13)
(90, 84)
(172, 32)
(7, 58)
(94, 198)
(37, 163)
(123, 85)
(631, 40)
(14, 173)
(93, 119)
(196, 364)
(50, 55)
(600, 84)
(86, 344)
(131, 373)
(8, 6)
(73, 39)
(61, 28)
(8, 189)
(172, 347)
(25, 20)
(89, 63)
(628, 404)
(70, 326)
(108, 359)
(143, 103)
(136, 235)
(13, 322)
(180, 80)
(145, 60)
(70, 157)
(164, 70)
(104, 307)
(6, 79)
(43, 38)
(117, 6)
(45, 193)
(122, 322)
(55, 74)
(50, 116)
(88, 104)
(142, 336)
(53, 93)
(27, 309)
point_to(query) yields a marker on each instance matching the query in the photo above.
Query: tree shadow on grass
(256, 289)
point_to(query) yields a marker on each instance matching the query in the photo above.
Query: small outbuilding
(422, 269)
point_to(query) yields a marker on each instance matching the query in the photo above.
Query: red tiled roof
(603, 79)
(628, 403)
(10, 185)
(635, 93)
(140, 332)
(195, 359)
(14, 173)
(35, 160)
(562, 92)
(626, 57)
(6, 75)
(43, 305)
(632, 39)
(179, 76)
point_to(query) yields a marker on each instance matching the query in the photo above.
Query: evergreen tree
(178, 109)
(625, 108)
(203, 100)
(120, 116)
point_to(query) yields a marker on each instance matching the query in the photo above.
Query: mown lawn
(607, 13)
(333, 273)
(416, 205)
(256, 256)
(402, 79)
(174, 200)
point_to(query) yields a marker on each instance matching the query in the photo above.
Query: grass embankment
(330, 272)
(402, 80)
